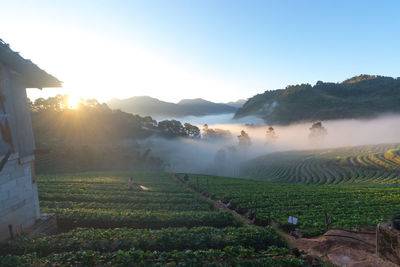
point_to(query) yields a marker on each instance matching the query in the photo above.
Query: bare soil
(343, 248)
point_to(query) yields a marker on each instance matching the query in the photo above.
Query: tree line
(93, 122)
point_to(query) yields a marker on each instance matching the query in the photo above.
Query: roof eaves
(33, 75)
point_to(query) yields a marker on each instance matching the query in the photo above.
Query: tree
(56, 103)
(191, 130)
(244, 139)
(220, 157)
(291, 89)
(206, 131)
(224, 161)
(92, 103)
(171, 128)
(317, 131)
(270, 134)
(39, 104)
(209, 133)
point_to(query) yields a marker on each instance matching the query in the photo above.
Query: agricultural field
(106, 202)
(369, 164)
(351, 206)
(163, 222)
(197, 246)
(159, 222)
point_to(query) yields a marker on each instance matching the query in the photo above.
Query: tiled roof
(34, 76)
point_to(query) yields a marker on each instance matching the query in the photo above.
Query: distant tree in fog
(244, 139)
(191, 130)
(171, 128)
(220, 157)
(317, 131)
(205, 131)
(174, 128)
(211, 134)
(224, 161)
(270, 134)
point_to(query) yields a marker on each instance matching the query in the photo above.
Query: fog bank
(222, 155)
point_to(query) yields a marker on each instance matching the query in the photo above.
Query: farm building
(19, 203)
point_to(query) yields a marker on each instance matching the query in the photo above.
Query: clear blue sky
(217, 50)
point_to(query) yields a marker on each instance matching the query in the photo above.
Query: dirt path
(144, 188)
(341, 248)
(221, 206)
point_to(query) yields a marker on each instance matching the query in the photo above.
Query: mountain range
(362, 96)
(148, 106)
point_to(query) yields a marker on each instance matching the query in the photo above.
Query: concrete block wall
(19, 203)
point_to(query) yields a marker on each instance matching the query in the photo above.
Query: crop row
(229, 256)
(109, 218)
(378, 164)
(111, 180)
(150, 206)
(109, 240)
(309, 171)
(115, 198)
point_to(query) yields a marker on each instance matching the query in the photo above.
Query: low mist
(221, 156)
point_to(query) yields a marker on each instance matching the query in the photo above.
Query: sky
(213, 49)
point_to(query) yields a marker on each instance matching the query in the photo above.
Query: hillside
(237, 104)
(148, 106)
(367, 164)
(206, 107)
(362, 96)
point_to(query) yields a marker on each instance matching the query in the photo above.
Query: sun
(73, 102)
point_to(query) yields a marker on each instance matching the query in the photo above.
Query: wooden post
(326, 220)
(255, 210)
(252, 209)
(11, 231)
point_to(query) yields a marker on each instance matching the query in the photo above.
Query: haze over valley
(200, 133)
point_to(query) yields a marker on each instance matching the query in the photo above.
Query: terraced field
(105, 202)
(158, 223)
(378, 164)
(350, 206)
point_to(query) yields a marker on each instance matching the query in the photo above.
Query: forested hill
(358, 97)
(94, 137)
(94, 123)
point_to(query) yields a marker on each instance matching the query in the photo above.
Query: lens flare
(73, 102)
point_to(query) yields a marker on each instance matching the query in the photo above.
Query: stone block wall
(388, 242)
(19, 202)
